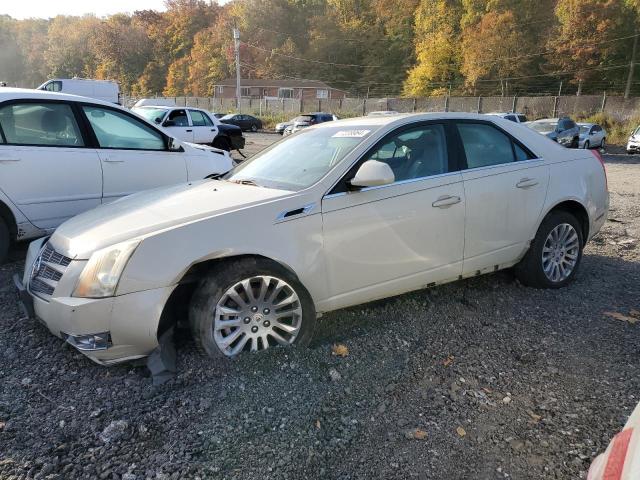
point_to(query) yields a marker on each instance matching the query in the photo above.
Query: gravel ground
(480, 379)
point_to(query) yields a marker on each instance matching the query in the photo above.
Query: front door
(505, 187)
(134, 156)
(177, 122)
(387, 240)
(46, 169)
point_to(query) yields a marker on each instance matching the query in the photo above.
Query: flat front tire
(554, 254)
(250, 305)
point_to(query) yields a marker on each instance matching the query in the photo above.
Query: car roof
(32, 94)
(383, 120)
(583, 124)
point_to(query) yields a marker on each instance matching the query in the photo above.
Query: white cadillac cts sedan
(336, 215)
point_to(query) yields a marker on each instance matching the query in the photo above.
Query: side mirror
(157, 120)
(372, 174)
(174, 145)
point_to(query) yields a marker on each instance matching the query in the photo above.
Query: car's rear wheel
(222, 143)
(254, 128)
(586, 144)
(575, 143)
(250, 305)
(555, 253)
(5, 240)
(603, 143)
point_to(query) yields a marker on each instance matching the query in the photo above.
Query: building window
(324, 93)
(219, 90)
(285, 93)
(245, 91)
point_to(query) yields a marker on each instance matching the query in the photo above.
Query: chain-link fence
(533, 106)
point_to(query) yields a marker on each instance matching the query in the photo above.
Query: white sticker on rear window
(351, 133)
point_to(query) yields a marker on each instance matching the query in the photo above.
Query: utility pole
(236, 42)
(627, 90)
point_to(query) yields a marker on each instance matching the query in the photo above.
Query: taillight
(596, 154)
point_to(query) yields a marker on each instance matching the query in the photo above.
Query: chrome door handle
(527, 182)
(445, 201)
(7, 159)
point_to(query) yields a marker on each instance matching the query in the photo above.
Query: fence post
(415, 104)
(514, 106)
(364, 107)
(446, 103)
(555, 107)
(604, 101)
(480, 104)
(319, 105)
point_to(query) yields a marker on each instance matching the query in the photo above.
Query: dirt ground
(482, 379)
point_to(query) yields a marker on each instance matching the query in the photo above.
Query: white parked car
(105, 90)
(186, 124)
(592, 135)
(61, 155)
(633, 144)
(339, 214)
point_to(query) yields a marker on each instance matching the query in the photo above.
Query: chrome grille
(46, 271)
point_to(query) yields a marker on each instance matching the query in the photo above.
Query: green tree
(437, 34)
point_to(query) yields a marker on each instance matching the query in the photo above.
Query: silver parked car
(592, 135)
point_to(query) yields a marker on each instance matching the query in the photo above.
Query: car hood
(205, 148)
(147, 212)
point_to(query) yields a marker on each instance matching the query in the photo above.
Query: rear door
(134, 155)
(204, 131)
(47, 167)
(505, 187)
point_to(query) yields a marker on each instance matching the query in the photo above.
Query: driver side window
(416, 153)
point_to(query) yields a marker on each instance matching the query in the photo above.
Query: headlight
(100, 276)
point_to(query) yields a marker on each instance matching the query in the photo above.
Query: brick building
(277, 89)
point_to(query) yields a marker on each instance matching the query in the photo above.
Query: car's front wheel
(250, 305)
(254, 128)
(586, 144)
(554, 254)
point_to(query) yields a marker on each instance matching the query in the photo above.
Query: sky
(50, 8)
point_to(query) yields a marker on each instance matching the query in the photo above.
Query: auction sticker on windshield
(351, 133)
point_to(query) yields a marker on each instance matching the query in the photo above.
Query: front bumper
(237, 142)
(107, 330)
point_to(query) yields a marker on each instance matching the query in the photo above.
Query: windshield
(543, 126)
(584, 129)
(151, 114)
(299, 161)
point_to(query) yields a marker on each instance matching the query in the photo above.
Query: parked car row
(304, 121)
(339, 214)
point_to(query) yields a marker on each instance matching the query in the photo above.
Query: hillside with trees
(366, 47)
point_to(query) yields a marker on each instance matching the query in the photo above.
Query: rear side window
(522, 118)
(199, 119)
(117, 130)
(511, 117)
(53, 86)
(41, 124)
(485, 146)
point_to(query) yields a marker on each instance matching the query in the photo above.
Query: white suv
(62, 154)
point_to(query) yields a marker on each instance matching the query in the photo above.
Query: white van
(105, 90)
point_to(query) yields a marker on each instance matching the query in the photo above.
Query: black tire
(603, 143)
(254, 128)
(586, 144)
(575, 143)
(213, 287)
(222, 143)
(5, 240)
(530, 271)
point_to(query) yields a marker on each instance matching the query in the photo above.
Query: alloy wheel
(560, 252)
(255, 314)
